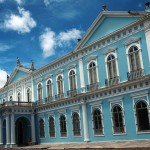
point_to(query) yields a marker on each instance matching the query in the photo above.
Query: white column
(1, 137)
(82, 83)
(147, 36)
(85, 122)
(7, 130)
(33, 128)
(12, 129)
(32, 90)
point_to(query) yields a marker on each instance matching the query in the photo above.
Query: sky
(44, 30)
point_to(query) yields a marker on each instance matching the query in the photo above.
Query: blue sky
(43, 30)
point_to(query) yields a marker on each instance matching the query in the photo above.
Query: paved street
(121, 145)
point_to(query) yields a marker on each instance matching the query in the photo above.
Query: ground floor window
(118, 120)
(63, 128)
(97, 122)
(76, 124)
(51, 127)
(142, 116)
(41, 125)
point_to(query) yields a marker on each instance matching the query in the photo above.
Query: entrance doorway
(23, 131)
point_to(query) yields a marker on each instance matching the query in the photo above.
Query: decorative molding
(39, 80)
(113, 100)
(95, 104)
(72, 66)
(48, 76)
(59, 72)
(93, 57)
(109, 50)
(75, 108)
(140, 94)
(132, 40)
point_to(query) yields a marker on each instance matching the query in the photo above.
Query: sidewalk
(94, 145)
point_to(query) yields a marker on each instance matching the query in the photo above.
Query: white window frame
(94, 61)
(140, 54)
(116, 59)
(37, 91)
(52, 115)
(57, 83)
(46, 86)
(30, 94)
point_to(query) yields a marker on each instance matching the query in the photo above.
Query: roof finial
(32, 65)
(18, 62)
(104, 8)
(7, 77)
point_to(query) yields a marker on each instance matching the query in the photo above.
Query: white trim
(41, 89)
(51, 86)
(62, 83)
(140, 94)
(115, 100)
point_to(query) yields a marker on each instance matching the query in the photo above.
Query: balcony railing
(48, 99)
(15, 103)
(135, 74)
(72, 93)
(92, 87)
(39, 102)
(112, 81)
(59, 96)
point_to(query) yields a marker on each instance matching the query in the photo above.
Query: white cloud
(5, 47)
(49, 2)
(19, 1)
(1, 1)
(3, 78)
(49, 41)
(22, 23)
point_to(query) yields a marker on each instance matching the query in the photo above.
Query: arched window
(111, 66)
(72, 79)
(51, 127)
(92, 73)
(28, 95)
(118, 120)
(40, 92)
(142, 116)
(60, 85)
(41, 125)
(97, 122)
(19, 97)
(63, 129)
(49, 90)
(134, 58)
(11, 98)
(76, 124)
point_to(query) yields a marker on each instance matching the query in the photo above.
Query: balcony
(59, 96)
(92, 87)
(39, 102)
(72, 93)
(15, 103)
(133, 75)
(48, 99)
(112, 81)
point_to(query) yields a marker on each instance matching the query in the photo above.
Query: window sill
(77, 136)
(99, 135)
(143, 132)
(119, 134)
(53, 137)
(64, 137)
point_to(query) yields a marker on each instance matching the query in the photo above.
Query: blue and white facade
(98, 92)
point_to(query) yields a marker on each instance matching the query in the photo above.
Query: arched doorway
(4, 132)
(23, 131)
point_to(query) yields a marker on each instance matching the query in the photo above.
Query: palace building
(100, 91)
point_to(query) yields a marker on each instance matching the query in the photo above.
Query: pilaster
(85, 122)
(7, 130)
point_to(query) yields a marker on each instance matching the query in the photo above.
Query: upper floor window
(51, 126)
(92, 73)
(19, 97)
(39, 91)
(118, 119)
(60, 84)
(97, 122)
(76, 124)
(134, 58)
(41, 128)
(142, 116)
(72, 80)
(63, 127)
(49, 89)
(111, 66)
(28, 95)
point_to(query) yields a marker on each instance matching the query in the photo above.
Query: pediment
(105, 24)
(18, 74)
